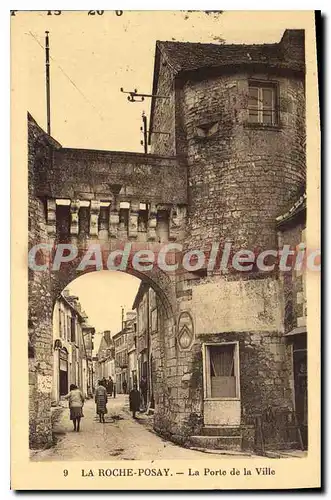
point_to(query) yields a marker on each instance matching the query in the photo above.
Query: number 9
(65, 472)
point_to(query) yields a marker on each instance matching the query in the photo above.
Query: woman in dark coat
(101, 401)
(134, 399)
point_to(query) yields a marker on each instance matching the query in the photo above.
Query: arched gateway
(97, 205)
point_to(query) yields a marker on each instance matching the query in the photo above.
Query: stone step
(220, 430)
(217, 442)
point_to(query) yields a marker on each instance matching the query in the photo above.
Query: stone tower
(235, 118)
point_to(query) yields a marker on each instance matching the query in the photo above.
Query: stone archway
(44, 288)
(95, 186)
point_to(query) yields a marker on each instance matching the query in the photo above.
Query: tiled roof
(186, 56)
(190, 56)
(298, 206)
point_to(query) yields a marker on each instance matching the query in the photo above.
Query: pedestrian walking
(101, 401)
(125, 386)
(143, 390)
(114, 394)
(110, 386)
(134, 399)
(76, 403)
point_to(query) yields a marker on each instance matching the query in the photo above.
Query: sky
(102, 295)
(92, 57)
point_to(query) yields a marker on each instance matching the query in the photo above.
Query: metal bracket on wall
(132, 97)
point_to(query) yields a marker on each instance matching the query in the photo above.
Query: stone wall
(293, 282)
(256, 324)
(88, 174)
(242, 176)
(40, 300)
(164, 111)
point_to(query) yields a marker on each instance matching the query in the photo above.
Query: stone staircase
(218, 438)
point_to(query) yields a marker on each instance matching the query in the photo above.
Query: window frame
(206, 370)
(261, 85)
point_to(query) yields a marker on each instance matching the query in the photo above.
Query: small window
(73, 329)
(221, 371)
(262, 104)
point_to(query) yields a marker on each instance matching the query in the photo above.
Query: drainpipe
(148, 349)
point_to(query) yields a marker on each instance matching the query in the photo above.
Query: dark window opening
(63, 222)
(73, 330)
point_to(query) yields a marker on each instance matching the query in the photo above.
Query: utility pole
(48, 96)
(122, 317)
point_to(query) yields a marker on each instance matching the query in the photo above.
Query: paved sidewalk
(121, 438)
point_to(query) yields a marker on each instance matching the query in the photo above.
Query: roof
(297, 208)
(141, 292)
(72, 306)
(186, 57)
(87, 326)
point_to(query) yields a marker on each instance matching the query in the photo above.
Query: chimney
(107, 336)
(130, 315)
(293, 44)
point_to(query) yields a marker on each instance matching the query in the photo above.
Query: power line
(68, 77)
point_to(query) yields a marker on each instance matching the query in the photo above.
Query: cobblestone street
(120, 438)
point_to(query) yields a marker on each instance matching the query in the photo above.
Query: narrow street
(120, 438)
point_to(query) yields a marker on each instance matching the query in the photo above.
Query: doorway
(63, 372)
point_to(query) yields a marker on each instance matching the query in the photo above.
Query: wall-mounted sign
(185, 331)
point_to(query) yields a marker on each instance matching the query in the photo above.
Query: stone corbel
(74, 221)
(114, 219)
(152, 220)
(51, 217)
(176, 221)
(133, 219)
(94, 217)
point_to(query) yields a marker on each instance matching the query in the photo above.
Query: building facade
(131, 328)
(125, 354)
(105, 366)
(88, 332)
(229, 161)
(292, 232)
(121, 359)
(148, 355)
(72, 347)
